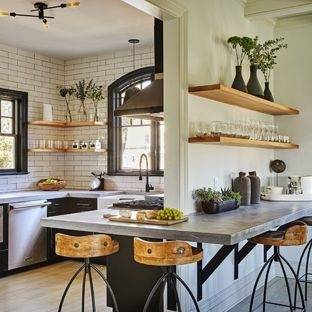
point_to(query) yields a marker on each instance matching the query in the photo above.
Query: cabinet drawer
(84, 204)
(3, 260)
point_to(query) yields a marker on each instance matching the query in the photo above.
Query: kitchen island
(227, 229)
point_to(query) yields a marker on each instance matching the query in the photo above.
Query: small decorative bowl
(44, 184)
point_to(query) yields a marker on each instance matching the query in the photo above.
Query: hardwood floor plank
(40, 290)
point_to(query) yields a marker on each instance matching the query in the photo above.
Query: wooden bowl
(45, 186)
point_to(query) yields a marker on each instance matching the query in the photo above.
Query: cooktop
(151, 203)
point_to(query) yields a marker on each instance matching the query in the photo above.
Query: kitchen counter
(226, 228)
(13, 197)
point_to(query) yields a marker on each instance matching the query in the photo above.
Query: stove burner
(152, 204)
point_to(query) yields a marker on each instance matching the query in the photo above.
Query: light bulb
(3, 13)
(45, 24)
(72, 4)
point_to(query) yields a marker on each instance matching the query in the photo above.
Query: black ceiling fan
(41, 7)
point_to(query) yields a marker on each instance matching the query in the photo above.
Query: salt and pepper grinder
(255, 187)
(242, 185)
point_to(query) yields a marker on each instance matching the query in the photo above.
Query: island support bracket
(203, 273)
(240, 255)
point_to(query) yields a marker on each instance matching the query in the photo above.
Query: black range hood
(149, 102)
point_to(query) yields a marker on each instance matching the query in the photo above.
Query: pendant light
(132, 90)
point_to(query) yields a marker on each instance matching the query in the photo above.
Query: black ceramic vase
(267, 92)
(242, 185)
(253, 85)
(255, 187)
(239, 83)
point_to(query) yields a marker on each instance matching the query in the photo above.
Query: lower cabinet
(63, 206)
(3, 261)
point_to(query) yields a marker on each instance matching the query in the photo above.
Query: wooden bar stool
(167, 255)
(307, 252)
(292, 234)
(86, 247)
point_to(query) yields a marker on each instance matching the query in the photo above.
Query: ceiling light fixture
(41, 7)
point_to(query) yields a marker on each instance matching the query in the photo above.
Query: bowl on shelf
(51, 184)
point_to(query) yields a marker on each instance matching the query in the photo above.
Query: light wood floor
(40, 290)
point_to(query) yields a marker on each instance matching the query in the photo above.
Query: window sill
(6, 173)
(136, 174)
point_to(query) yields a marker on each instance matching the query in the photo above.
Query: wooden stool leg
(308, 245)
(279, 259)
(297, 282)
(67, 288)
(108, 287)
(188, 290)
(161, 280)
(257, 281)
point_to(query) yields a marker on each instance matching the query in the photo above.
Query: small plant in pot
(95, 94)
(81, 91)
(238, 44)
(267, 62)
(212, 201)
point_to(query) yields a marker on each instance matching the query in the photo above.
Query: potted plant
(253, 49)
(95, 94)
(268, 60)
(81, 91)
(212, 201)
(67, 93)
(238, 44)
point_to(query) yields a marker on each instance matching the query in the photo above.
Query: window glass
(6, 125)
(6, 108)
(7, 155)
(135, 141)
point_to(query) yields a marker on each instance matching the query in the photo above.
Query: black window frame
(21, 123)
(114, 124)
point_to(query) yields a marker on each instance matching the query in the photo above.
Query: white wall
(294, 89)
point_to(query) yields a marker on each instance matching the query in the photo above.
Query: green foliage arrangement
(241, 46)
(253, 49)
(67, 93)
(269, 54)
(95, 94)
(81, 91)
(209, 195)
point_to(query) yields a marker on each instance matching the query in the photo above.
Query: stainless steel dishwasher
(27, 238)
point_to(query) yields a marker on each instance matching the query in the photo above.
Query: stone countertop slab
(226, 228)
(13, 197)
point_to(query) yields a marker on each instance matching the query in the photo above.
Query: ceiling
(96, 26)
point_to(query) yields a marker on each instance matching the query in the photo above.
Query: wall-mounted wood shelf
(63, 124)
(69, 150)
(221, 93)
(230, 141)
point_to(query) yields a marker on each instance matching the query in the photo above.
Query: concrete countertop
(226, 228)
(13, 197)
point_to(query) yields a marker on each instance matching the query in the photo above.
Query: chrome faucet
(148, 187)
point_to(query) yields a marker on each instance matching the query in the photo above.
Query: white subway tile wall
(39, 75)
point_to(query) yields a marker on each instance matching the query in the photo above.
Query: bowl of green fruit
(51, 184)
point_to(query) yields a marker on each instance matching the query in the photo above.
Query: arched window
(128, 137)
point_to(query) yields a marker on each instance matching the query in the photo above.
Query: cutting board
(146, 221)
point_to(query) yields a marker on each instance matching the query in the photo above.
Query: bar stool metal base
(87, 266)
(304, 277)
(267, 266)
(169, 278)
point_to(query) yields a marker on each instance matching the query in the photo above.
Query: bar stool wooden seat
(86, 247)
(167, 255)
(306, 252)
(292, 234)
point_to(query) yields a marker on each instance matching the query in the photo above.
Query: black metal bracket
(204, 273)
(266, 248)
(240, 255)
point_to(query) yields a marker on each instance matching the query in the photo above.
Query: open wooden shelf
(221, 93)
(63, 124)
(69, 150)
(230, 141)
